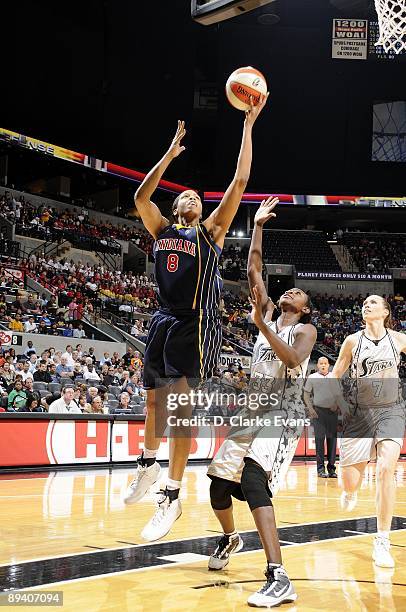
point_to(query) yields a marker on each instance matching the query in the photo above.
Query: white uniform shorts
(367, 427)
(272, 447)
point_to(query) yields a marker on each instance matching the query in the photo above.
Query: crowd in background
(33, 382)
(79, 288)
(337, 317)
(43, 221)
(233, 263)
(42, 315)
(376, 253)
(87, 282)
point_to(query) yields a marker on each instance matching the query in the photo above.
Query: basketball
(243, 83)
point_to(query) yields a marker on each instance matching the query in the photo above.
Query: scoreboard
(357, 38)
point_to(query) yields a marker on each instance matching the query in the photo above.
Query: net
(392, 24)
(389, 132)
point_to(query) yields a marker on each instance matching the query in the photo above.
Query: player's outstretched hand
(256, 313)
(264, 212)
(252, 114)
(176, 149)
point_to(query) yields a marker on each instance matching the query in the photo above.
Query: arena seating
(307, 251)
(49, 224)
(376, 252)
(337, 317)
(109, 378)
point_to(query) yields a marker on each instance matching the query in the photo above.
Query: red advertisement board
(60, 442)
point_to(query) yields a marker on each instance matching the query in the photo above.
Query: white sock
(150, 454)
(172, 485)
(231, 533)
(383, 534)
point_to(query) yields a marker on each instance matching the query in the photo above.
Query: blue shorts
(181, 345)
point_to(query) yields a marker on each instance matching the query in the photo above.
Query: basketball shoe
(168, 511)
(144, 478)
(277, 589)
(381, 552)
(348, 501)
(226, 545)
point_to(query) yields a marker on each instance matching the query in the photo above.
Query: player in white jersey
(374, 428)
(252, 461)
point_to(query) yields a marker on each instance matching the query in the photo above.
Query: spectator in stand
(91, 394)
(26, 374)
(112, 378)
(42, 375)
(7, 376)
(226, 347)
(45, 318)
(30, 306)
(132, 387)
(124, 401)
(105, 359)
(16, 323)
(42, 328)
(124, 379)
(30, 350)
(68, 355)
(17, 397)
(77, 371)
(63, 370)
(72, 310)
(66, 403)
(30, 327)
(136, 361)
(89, 372)
(97, 407)
(91, 354)
(32, 405)
(82, 403)
(68, 331)
(52, 372)
(79, 332)
(33, 360)
(18, 368)
(29, 388)
(128, 356)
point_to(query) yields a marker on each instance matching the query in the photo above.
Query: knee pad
(254, 484)
(220, 493)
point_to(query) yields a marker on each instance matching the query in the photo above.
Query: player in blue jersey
(184, 337)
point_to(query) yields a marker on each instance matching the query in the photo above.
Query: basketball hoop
(392, 24)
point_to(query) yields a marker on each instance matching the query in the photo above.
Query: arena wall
(337, 287)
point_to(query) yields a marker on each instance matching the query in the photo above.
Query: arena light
(208, 12)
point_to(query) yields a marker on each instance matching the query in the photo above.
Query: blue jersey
(186, 269)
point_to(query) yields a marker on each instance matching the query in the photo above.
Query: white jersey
(268, 373)
(374, 368)
(271, 446)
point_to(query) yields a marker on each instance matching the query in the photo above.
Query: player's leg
(319, 437)
(331, 439)
(387, 452)
(278, 588)
(356, 449)
(147, 467)
(180, 433)
(220, 498)
(266, 465)
(351, 476)
(169, 505)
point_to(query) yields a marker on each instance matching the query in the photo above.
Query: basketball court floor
(69, 531)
